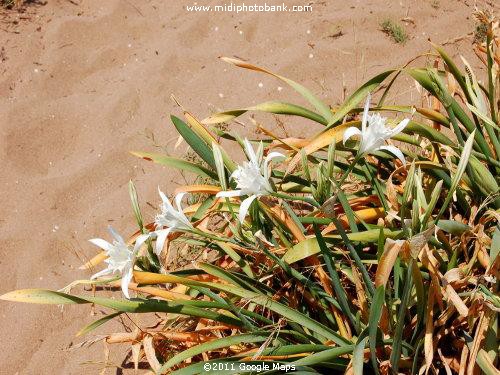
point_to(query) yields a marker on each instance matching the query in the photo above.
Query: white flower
(252, 178)
(491, 279)
(121, 257)
(374, 133)
(169, 220)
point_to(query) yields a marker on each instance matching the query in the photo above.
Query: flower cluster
(374, 132)
(252, 180)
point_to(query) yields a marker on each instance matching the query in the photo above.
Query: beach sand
(81, 85)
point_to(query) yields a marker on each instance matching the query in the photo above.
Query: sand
(83, 84)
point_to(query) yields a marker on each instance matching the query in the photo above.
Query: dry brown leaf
(202, 189)
(457, 301)
(429, 329)
(150, 353)
(136, 354)
(392, 249)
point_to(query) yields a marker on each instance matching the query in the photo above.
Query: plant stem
(296, 198)
(349, 170)
(208, 235)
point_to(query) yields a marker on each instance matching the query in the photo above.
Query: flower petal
(229, 194)
(104, 272)
(350, 132)
(178, 200)
(400, 127)
(115, 234)
(269, 157)
(103, 244)
(139, 241)
(395, 151)
(126, 278)
(161, 238)
(165, 199)
(272, 155)
(244, 206)
(260, 151)
(250, 152)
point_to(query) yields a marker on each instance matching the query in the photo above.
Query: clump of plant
(342, 252)
(18, 4)
(7, 3)
(482, 28)
(394, 30)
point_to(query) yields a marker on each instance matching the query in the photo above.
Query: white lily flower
(374, 133)
(170, 220)
(121, 257)
(252, 178)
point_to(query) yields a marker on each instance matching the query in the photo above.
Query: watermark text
(241, 8)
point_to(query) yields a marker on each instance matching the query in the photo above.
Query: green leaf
(176, 163)
(495, 246)
(212, 345)
(310, 246)
(194, 141)
(324, 356)
(135, 204)
(484, 361)
(225, 275)
(321, 107)
(453, 69)
(358, 96)
(436, 193)
(430, 80)
(284, 311)
(336, 283)
(400, 323)
(41, 296)
(454, 227)
(285, 350)
(278, 108)
(191, 308)
(373, 321)
(462, 164)
(358, 356)
(219, 166)
(245, 267)
(98, 323)
(483, 117)
(428, 132)
(483, 179)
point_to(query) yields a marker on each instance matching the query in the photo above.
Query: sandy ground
(81, 85)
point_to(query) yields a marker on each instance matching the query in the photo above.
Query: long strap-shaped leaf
(212, 345)
(324, 356)
(191, 308)
(194, 141)
(462, 164)
(278, 108)
(321, 107)
(284, 311)
(176, 163)
(310, 246)
(282, 351)
(358, 96)
(373, 320)
(257, 298)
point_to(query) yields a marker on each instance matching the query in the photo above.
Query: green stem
(491, 84)
(296, 198)
(208, 235)
(349, 170)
